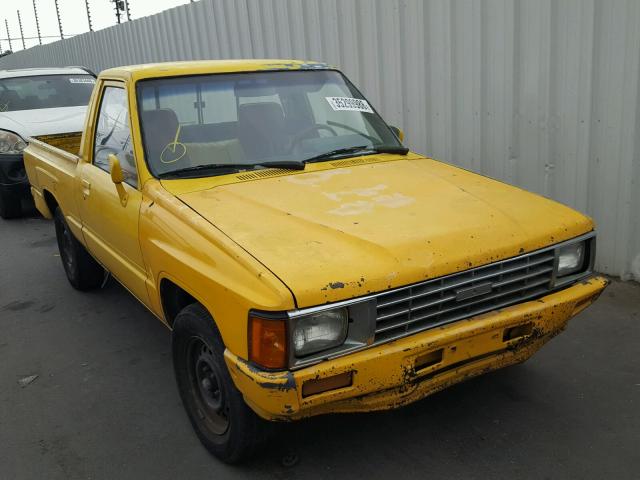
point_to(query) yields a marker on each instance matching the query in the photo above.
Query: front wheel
(83, 272)
(224, 423)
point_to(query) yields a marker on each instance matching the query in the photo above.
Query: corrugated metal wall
(544, 94)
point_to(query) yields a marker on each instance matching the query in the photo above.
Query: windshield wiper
(288, 164)
(360, 148)
(214, 167)
(223, 168)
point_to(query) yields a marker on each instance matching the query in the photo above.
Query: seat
(261, 130)
(159, 130)
(10, 101)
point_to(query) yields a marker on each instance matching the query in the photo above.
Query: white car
(36, 102)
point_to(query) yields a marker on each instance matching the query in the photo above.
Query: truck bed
(51, 162)
(69, 142)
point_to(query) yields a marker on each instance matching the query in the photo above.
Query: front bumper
(13, 177)
(403, 371)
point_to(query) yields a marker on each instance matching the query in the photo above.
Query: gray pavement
(105, 406)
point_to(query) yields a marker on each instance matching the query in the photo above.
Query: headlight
(570, 259)
(10, 143)
(320, 331)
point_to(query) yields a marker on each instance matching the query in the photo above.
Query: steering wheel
(313, 128)
(104, 151)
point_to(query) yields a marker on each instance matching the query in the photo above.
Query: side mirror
(399, 133)
(117, 176)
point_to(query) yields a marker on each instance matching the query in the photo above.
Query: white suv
(35, 102)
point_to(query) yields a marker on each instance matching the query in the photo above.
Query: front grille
(444, 300)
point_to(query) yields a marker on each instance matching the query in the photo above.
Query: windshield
(245, 119)
(45, 91)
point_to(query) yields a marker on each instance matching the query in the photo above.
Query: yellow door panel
(110, 211)
(110, 228)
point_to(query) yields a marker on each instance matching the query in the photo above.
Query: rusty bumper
(400, 372)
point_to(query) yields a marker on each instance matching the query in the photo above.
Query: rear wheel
(9, 206)
(83, 272)
(224, 423)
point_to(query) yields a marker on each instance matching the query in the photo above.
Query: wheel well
(173, 299)
(51, 201)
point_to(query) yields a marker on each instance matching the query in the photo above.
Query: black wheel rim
(207, 387)
(67, 249)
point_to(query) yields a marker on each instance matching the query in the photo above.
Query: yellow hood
(344, 232)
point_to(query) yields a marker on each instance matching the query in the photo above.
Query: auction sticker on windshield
(82, 80)
(349, 104)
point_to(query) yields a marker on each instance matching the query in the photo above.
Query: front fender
(179, 245)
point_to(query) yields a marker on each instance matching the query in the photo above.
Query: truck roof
(176, 69)
(33, 72)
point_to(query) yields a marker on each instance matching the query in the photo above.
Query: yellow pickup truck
(304, 259)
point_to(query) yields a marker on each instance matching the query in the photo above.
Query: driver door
(109, 218)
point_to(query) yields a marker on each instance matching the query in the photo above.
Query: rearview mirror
(399, 133)
(117, 176)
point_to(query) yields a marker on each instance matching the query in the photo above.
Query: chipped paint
(305, 234)
(386, 377)
(361, 192)
(359, 207)
(315, 179)
(374, 197)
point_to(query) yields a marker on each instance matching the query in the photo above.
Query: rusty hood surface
(341, 233)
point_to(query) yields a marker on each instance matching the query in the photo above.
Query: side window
(113, 134)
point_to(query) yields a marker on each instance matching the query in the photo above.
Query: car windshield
(45, 91)
(241, 120)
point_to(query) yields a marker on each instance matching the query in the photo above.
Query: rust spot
(288, 384)
(535, 334)
(335, 285)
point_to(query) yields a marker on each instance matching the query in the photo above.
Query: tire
(10, 206)
(83, 272)
(224, 423)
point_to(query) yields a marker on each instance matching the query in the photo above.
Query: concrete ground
(105, 406)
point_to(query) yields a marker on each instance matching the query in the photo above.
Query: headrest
(160, 122)
(261, 112)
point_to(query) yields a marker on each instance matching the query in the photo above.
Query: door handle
(86, 188)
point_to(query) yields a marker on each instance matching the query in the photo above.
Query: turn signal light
(320, 385)
(268, 342)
